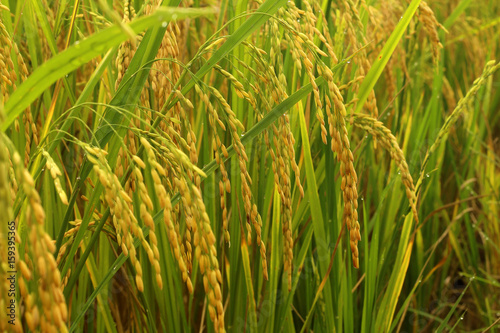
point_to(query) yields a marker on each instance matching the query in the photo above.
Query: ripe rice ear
(431, 25)
(489, 69)
(41, 285)
(389, 142)
(5, 206)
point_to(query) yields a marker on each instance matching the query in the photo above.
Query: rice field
(250, 166)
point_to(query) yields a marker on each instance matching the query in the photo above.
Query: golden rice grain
(55, 172)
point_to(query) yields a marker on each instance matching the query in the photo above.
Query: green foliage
(195, 139)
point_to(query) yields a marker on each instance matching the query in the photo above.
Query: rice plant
(249, 166)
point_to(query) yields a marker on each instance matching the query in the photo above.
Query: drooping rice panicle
(40, 279)
(389, 142)
(166, 205)
(489, 69)
(431, 26)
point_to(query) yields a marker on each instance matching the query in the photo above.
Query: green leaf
(391, 297)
